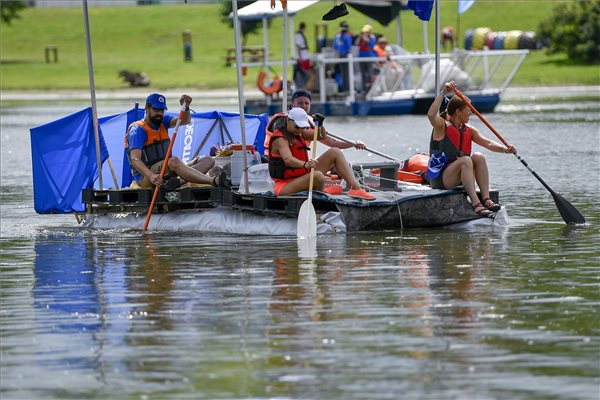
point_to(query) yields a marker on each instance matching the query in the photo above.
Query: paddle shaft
(314, 155)
(567, 211)
(495, 132)
(366, 148)
(164, 165)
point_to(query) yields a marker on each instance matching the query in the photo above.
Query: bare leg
(188, 174)
(204, 164)
(461, 171)
(481, 174)
(335, 158)
(302, 182)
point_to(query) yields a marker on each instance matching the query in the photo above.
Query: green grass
(149, 39)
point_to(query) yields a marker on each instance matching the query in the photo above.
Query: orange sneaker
(360, 194)
(333, 190)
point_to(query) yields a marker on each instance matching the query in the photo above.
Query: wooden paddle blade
(307, 220)
(567, 211)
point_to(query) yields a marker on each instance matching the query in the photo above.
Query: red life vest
(299, 150)
(462, 141)
(454, 143)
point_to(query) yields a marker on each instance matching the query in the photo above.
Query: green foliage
(573, 29)
(9, 10)
(247, 27)
(157, 48)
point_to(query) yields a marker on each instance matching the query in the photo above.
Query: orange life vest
(277, 168)
(156, 144)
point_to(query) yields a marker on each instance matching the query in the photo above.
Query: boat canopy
(262, 9)
(63, 152)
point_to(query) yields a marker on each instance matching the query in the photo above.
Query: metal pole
(284, 94)
(437, 47)
(266, 49)
(425, 39)
(240, 84)
(92, 90)
(399, 30)
(88, 44)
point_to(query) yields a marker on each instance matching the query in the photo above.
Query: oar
(164, 165)
(366, 148)
(567, 211)
(307, 217)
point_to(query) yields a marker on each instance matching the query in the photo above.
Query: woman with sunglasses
(290, 165)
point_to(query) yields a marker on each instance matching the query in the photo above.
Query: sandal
(490, 205)
(480, 209)
(222, 181)
(171, 184)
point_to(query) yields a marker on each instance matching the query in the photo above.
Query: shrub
(573, 29)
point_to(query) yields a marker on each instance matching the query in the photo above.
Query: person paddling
(146, 143)
(451, 162)
(290, 165)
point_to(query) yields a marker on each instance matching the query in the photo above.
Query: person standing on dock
(146, 144)
(342, 43)
(451, 162)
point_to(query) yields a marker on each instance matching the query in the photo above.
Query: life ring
(272, 87)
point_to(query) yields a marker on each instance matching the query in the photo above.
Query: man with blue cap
(147, 141)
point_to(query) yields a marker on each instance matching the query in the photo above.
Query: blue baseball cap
(156, 100)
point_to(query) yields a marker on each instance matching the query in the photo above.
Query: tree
(9, 10)
(573, 29)
(247, 27)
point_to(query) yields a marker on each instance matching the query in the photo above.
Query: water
(451, 313)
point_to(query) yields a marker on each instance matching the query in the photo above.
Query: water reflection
(427, 313)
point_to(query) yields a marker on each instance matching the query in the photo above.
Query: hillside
(149, 39)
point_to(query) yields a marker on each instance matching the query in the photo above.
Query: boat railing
(414, 74)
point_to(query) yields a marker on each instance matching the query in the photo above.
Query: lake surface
(451, 313)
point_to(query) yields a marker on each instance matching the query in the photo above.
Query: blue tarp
(64, 153)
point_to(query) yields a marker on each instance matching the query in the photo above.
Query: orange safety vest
(299, 149)
(156, 144)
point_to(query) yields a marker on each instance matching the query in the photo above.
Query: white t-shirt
(302, 46)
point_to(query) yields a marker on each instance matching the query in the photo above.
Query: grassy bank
(149, 39)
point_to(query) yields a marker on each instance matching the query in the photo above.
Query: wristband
(442, 93)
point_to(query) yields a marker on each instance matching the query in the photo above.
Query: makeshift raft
(412, 206)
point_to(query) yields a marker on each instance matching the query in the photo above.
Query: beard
(156, 119)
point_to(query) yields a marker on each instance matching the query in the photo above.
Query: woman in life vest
(290, 165)
(454, 136)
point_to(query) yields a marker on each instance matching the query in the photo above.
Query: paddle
(567, 211)
(164, 165)
(307, 217)
(366, 148)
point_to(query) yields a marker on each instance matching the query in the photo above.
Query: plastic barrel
(490, 39)
(512, 40)
(499, 41)
(527, 41)
(237, 162)
(479, 37)
(469, 39)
